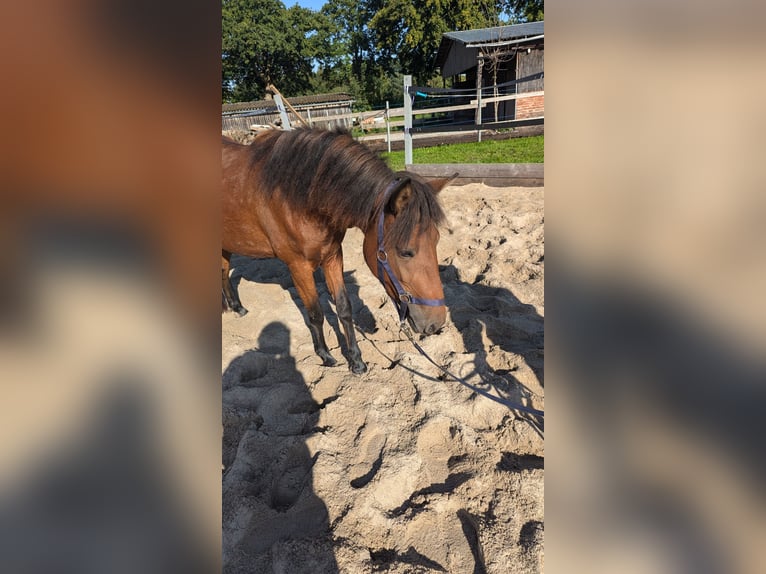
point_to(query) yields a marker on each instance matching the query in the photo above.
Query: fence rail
(477, 104)
(368, 119)
(540, 120)
(495, 174)
(490, 100)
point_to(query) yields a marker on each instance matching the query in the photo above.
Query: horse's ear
(400, 196)
(440, 182)
(400, 200)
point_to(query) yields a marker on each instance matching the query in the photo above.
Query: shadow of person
(272, 519)
(642, 364)
(485, 314)
(102, 499)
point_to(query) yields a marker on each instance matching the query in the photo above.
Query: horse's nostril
(431, 329)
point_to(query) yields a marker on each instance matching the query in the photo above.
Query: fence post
(388, 128)
(407, 121)
(478, 93)
(282, 112)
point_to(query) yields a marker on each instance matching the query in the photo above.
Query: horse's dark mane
(329, 175)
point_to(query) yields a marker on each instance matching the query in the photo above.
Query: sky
(312, 4)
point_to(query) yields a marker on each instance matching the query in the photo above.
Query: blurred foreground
(656, 326)
(109, 319)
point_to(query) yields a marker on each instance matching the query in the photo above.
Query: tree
(263, 42)
(408, 32)
(353, 63)
(526, 10)
(351, 39)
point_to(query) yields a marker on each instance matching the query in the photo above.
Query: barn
(497, 56)
(321, 110)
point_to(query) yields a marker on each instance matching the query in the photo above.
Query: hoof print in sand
(372, 445)
(365, 479)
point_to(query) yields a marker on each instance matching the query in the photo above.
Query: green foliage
(408, 32)
(526, 10)
(513, 150)
(361, 48)
(349, 37)
(265, 43)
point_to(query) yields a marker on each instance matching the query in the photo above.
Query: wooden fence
(382, 118)
(498, 174)
(495, 174)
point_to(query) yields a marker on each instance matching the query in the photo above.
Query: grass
(514, 150)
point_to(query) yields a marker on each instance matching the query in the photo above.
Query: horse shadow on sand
(272, 518)
(274, 271)
(496, 326)
(484, 316)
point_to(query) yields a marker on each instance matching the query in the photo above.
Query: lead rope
(509, 404)
(406, 298)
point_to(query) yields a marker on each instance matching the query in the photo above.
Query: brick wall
(531, 107)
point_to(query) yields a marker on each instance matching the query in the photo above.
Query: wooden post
(388, 129)
(407, 121)
(282, 113)
(279, 97)
(479, 67)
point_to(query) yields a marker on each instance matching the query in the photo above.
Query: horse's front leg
(303, 278)
(229, 294)
(333, 273)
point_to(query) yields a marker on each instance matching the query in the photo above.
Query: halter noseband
(405, 298)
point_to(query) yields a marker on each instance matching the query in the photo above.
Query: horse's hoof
(329, 361)
(358, 367)
(241, 311)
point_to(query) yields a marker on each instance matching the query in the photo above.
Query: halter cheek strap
(384, 268)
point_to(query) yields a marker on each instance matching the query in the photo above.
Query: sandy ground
(397, 470)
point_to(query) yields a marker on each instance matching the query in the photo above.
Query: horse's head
(400, 249)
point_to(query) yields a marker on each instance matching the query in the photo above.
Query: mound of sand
(397, 470)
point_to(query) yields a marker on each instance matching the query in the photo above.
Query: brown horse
(293, 195)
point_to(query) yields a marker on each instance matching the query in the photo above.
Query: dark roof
(297, 101)
(462, 39)
(498, 33)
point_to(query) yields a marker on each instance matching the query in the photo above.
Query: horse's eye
(406, 253)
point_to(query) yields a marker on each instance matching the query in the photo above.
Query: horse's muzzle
(433, 328)
(427, 322)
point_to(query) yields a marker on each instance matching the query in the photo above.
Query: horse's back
(256, 222)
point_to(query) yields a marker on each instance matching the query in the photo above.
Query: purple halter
(405, 299)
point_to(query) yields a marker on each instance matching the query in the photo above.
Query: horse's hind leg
(333, 274)
(303, 278)
(228, 293)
